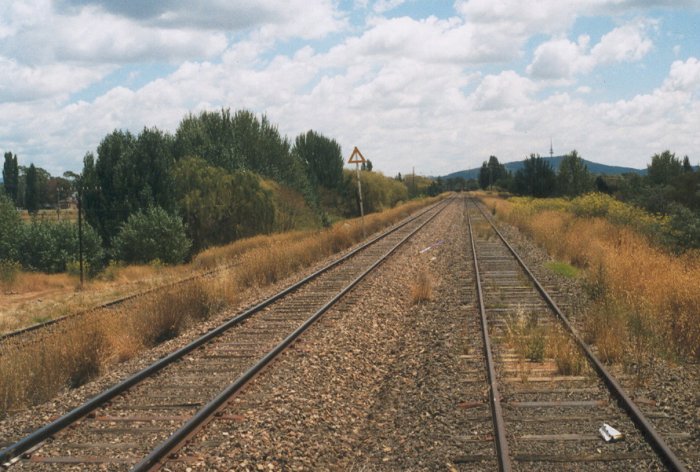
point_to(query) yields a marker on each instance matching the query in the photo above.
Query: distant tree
(436, 187)
(321, 157)
(31, 198)
(131, 173)
(664, 168)
(686, 165)
(10, 222)
(50, 246)
(491, 173)
(573, 178)
(241, 142)
(601, 185)
(219, 207)
(367, 165)
(10, 176)
(536, 178)
(151, 235)
(211, 136)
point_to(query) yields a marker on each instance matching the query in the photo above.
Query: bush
(150, 235)
(50, 246)
(8, 272)
(10, 222)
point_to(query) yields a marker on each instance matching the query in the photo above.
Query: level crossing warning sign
(356, 157)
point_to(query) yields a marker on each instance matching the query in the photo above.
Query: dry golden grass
(641, 280)
(80, 348)
(33, 373)
(422, 287)
(567, 357)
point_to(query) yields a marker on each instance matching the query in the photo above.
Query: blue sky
(439, 85)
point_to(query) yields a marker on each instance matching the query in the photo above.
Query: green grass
(563, 268)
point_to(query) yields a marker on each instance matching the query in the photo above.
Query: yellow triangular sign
(356, 157)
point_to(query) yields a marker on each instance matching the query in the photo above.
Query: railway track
(142, 419)
(548, 406)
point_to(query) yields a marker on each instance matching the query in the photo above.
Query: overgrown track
(543, 418)
(140, 420)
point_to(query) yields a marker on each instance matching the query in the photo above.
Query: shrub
(10, 222)
(150, 235)
(422, 288)
(8, 272)
(50, 246)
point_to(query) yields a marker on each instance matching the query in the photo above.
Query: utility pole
(80, 231)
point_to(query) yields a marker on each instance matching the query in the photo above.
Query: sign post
(357, 158)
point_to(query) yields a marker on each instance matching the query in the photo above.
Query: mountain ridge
(594, 168)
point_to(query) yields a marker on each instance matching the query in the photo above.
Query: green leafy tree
(211, 136)
(492, 173)
(31, 195)
(131, 173)
(219, 207)
(664, 168)
(322, 158)
(10, 176)
(378, 192)
(10, 227)
(686, 165)
(50, 246)
(242, 142)
(536, 178)
(152, 234)
(573, 178)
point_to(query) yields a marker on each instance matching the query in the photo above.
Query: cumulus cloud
(563, 59)
(684, 76)
(505, 90)
(437, 93)
(282, 15)
(19, 83)
(382, 6)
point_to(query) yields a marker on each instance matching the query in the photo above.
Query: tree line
(670, 187)
(220, 177)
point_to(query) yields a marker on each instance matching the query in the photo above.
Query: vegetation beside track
(645, 301)
(78, 349)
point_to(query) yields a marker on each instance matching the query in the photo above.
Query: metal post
(362, 210)
(80, 234)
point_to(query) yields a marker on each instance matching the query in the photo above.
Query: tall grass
(422, 287)
(645, 298)
(83, 347)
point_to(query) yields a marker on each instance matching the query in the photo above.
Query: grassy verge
(80, 349)
(645, 301)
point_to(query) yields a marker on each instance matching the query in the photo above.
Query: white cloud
(627, 43)
(382, 6)
(562, 59)
(19, 83)
(505, 90)
(93, 36)
(406, 91)
(283, 15)
(684, 76)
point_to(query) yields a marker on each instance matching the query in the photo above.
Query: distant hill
(593, 167)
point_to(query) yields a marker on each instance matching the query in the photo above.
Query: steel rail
(20, 447)
(504, 463)
(117, 301)
(650, 433)
(111, 303)
(210, 408)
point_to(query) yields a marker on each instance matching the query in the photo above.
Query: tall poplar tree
(31, 196)
(10, 176)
